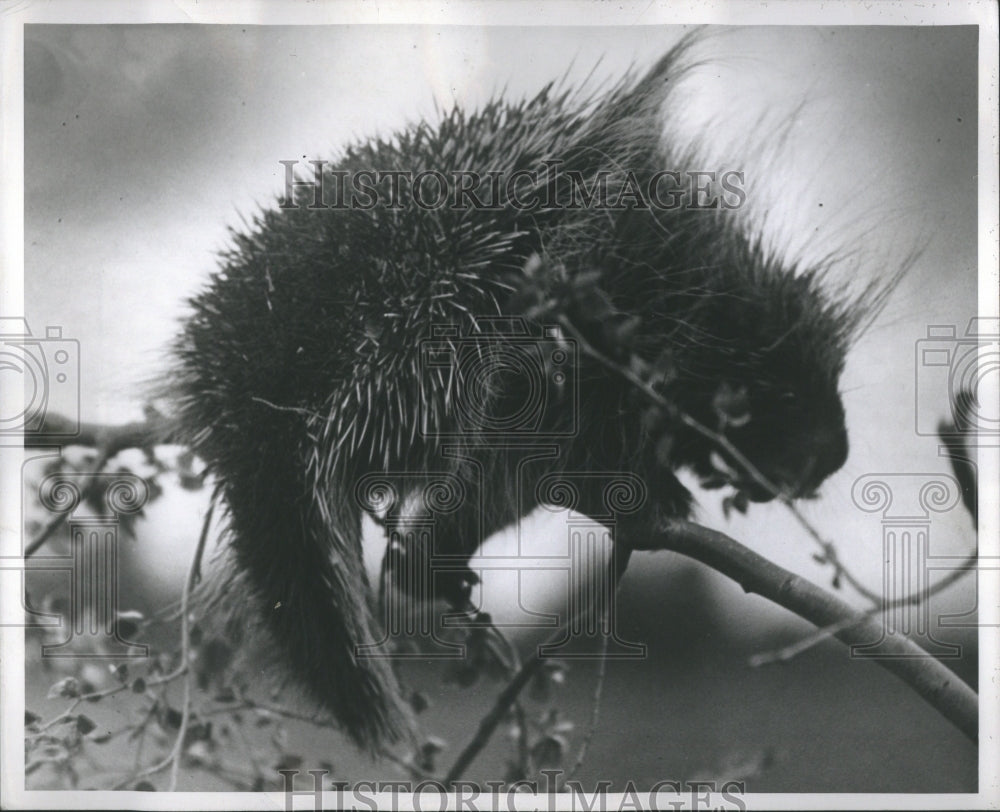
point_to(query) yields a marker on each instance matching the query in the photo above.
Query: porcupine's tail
(300, 549)
(294, 531)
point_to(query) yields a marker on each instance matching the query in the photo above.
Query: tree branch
(927, 676)
(107, 440)
(57, 430)
(939, 686)
(914, 599)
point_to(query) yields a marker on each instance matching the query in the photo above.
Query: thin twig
(93, 696)
(60, 518)
(792, 650)
(194, 575)
(520, 717)
(488, 724)
(173, 758)
(140, 733)
(595, 713)
(523, 750)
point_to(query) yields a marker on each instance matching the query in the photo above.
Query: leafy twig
(59, 519)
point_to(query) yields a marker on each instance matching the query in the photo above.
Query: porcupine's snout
(802, 474)
(794, 443)
(830, 456)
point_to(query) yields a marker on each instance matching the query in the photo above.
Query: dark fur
(299, 370)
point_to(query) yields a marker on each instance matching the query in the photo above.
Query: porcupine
(300, 369)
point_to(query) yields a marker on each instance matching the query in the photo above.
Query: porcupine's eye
(732, 406)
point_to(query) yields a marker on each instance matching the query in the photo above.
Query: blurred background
(143, 143)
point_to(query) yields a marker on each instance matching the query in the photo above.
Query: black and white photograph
(499, 406)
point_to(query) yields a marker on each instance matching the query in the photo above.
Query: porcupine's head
(753, 351)
(742, 342)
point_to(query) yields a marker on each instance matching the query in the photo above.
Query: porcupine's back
(323, 310)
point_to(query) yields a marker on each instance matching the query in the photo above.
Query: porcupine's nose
(829, 457)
